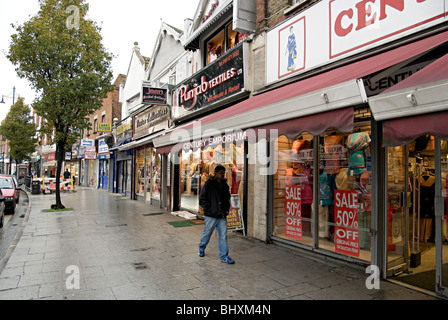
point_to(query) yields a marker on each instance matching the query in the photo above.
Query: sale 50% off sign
(346, 238)
(293, 212)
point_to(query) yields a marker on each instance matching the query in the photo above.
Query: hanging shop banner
(151, 120)
(214, 85)
(90, 155)
(343, 28)
(151, 95)
(293, 212)
(346, 238)
(234, 218)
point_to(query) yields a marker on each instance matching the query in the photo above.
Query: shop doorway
(417, 236)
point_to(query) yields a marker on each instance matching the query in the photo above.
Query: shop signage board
(346, 237)
(90, 155)
(151, 95)
(87, 142)
(104, 127)
(151, 120)
(214, 85)
(235, 219)
(332, 30)
(293, 212)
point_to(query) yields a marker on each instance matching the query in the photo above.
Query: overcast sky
(122, 22)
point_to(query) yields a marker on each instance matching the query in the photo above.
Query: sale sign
(346, 237)
(293, 212)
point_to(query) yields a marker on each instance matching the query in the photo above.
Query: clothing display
(334, 153)
(356, 144)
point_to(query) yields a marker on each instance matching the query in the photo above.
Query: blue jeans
(209, 227)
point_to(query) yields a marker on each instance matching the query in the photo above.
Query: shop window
(197, 166)
(344, 184)
(293, 183)
(223, 41)
(140, 171)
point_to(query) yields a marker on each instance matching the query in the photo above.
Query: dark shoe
(201, 253)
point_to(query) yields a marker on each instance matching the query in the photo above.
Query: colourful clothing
(356, 143)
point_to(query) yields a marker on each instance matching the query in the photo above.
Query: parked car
(2, 210)
(10, 191)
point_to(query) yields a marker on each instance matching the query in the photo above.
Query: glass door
(441, 223)
(417, 230)
(397, 211)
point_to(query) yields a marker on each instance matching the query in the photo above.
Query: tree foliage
(18, 128)
(61, 54)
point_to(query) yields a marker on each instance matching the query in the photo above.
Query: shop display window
(156, 174)
(293, 194)
(342, 220)
(140, 171)
(197, 166)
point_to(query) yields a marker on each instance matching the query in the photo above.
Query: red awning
(316, 124)
(402, 131)
(333, 77)
(436, 71)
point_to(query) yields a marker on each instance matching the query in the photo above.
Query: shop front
(148, 124)
(414, 117)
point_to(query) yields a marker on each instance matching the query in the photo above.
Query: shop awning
(332, 90)
(401, 131)
(424, 92)
(416, 106)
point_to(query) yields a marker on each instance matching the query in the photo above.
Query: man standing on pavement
(215, 200)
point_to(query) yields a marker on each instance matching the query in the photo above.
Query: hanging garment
(334, 153)
(356, 143)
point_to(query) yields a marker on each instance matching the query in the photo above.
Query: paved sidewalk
(126, 249)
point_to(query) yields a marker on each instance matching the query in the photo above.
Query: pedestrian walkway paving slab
(93, 253)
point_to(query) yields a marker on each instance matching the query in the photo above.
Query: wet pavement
(112, 248)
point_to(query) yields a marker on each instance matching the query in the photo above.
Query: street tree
(18, 128)
(60, 52)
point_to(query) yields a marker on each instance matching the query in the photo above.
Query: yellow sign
(104, 127)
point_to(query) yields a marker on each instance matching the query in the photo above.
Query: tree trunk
(60, 159)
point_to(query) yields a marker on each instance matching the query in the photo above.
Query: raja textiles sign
(293, 212)
(218, 81)
(346, 237)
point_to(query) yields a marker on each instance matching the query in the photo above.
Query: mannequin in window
(356, 145)
(427, 195)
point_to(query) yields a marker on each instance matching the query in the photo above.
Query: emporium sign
(222, 79)
(342, 28)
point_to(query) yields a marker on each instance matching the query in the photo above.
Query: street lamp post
(13, 96)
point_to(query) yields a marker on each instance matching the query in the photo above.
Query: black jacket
(215, 198)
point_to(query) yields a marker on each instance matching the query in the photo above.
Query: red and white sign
(332, 30)
(355, 24)
(90, 155)
(293, 212)
(346, 239)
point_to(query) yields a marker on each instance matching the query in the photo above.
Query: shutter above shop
(425, 91)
